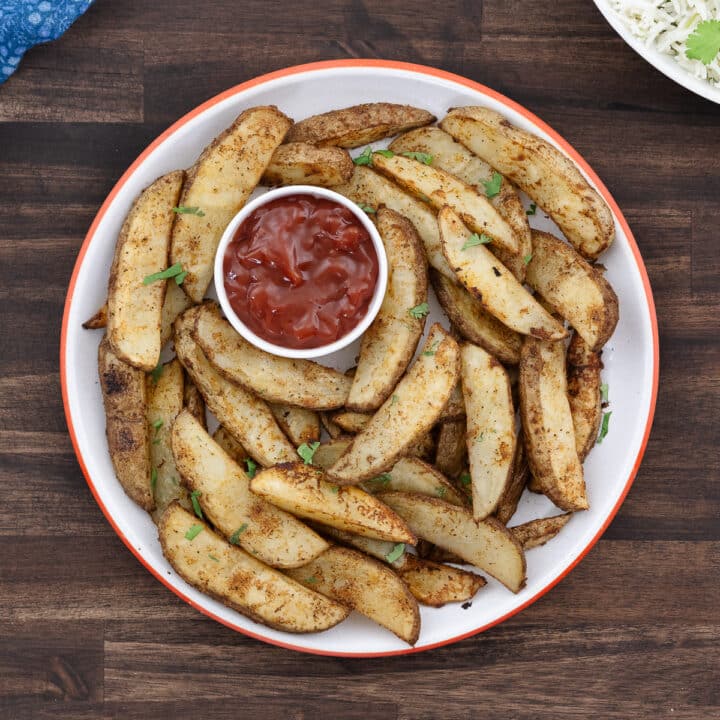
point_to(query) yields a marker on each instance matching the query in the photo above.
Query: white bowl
(659, 60)
(375, 302)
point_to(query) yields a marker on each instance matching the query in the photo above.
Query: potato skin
(583, 374)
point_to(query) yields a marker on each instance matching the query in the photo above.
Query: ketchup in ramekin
(300, 271)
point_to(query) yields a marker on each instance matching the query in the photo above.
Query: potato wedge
(303, 490)
(227, 573)
(573, 289)
(455, 407)
(451, 451)
(487, 544)
(389, 344)
(164, 403)
(474, 322)
(441, 190)
(454, 158)
(379, 549)
(218, 185)
(125, 399)
(330, 450)
(507, 505)
(365, 585)
(222, 488)
(300, 425)
(333, 430)
(490, 427)
(303, 383)
(435, 585)
(492, 283)
(584, 396)
(411, 474)
(134, 307)
(368, 187)
(548, 425)
(231, 446)
(538, 532)
(245, 416)
(539, 169)
(351, 422)
(98, 320)
(403, 419)
(176, 302)
(299, 163)
(194, 402)
(358, 125)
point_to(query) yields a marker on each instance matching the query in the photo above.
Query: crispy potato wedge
(176, 302)
(442, 189)
(245, 416)
(487, 544)
(507, 505)
(539, 169)
(573, 289)
(222, 488)
(231, 446)
(455, 407)
(299, 163)
(454, 158)
(164, 403)
(358, 125)
(227, 573)
(548, 425)
(303, 383)
(303, 490)
(403, 419)
(299, 424)
(411, 474)
(365, 585)
(389, 344)
(219, 184)
(330, 450)
(492, 283)
(125, 398)
(98, 320)
(474, 322)
(435, 585)
(351, 422)
(490, 427)
(333, 430)
(368, 187)
(451, 450)
(134, 308)
(584, 396)
(193, 401)
(538, 532)
(379, 549)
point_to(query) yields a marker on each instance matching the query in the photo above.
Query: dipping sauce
(300, 271)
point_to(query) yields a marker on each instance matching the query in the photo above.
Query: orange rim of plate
(392, 65)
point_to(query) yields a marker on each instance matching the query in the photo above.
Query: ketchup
(300, 271)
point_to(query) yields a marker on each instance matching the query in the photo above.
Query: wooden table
(86, 632)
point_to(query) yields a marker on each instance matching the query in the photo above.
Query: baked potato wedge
(358, 125)
(333, 430)
(389, 344)
(367, 187)
(125, 398)
(507, 505)
(299, 424)
(209, 563)
(539, 169)
(379, 549)
(303, 490)
(134, 304)
(584, 393)
(538, 532)
(573, 288)
(98, 320)
(487, 544)
(474, 322)
(490, 427)
(298, 163)
(451, 450)
(231, 446)
(221, 488)
(194, 402)
(442, 189)
(164, 404)
(435, 585)
(351, 422)
(329, 451)
(446, 154)
(403, 419)
(245, 416)
(365, 585)
(302, 383)
(492, 283)
(548, 425)
(455, 407)
(217, 186)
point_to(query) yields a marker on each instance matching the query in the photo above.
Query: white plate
(659, 60)
(630, 358)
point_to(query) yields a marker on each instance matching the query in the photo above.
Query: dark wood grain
(86, 632)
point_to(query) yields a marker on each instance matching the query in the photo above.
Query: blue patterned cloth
(24, 23)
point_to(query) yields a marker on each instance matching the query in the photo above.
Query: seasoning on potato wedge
(299, 163)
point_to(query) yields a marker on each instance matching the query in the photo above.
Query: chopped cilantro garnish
(180, 277)
(431, 350)
(193, 532)
(441, 491)
(311, 580)
(384, 153)
(306, 451)
(532, 210)
(419, 311)
(334, 489)
(395, 553)
(184, 210)
(212, 557)
(492, 186)
(527, 258)
(194, 495)
(236, 535)
(395, 399)
(156, 372)
(465, 479)
(172, 271)
(704, 43)
(604, 390)
(251, 468)
(383, 479)
(153, 478)
(424, 158)
(366, 208)
(476, 239)
(157, 425)
(365, 158)
(604, 427)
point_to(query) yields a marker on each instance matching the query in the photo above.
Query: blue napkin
(24, 23)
